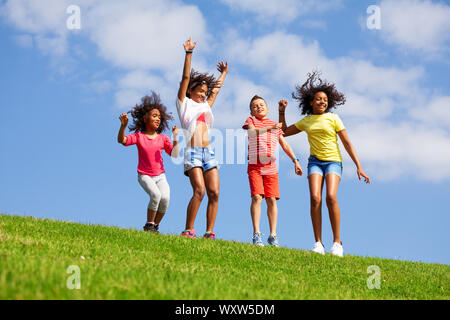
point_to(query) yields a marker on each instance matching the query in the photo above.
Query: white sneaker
(318, 248)
(337, 249)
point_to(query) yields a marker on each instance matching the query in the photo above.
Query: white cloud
(43, 16)
(136, 84)
(420, 25)
(232, 104)
(365, 107)
(283, 58)
(148, 34)
(406, 149)
(278, 56)
(144, 39)
(436, 113)
(45, 19)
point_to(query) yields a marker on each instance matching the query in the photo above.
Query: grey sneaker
(273, 241)
(257, 239)
(151, 227)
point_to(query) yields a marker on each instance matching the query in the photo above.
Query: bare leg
(255, 211)
(272, 214)
(159, 216)
(198, 188)
(212, 184)
(315, 190)
(151, 214)
(332, 181)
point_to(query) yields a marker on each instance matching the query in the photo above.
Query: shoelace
(256, 234)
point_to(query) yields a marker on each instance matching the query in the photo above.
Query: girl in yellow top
(316, 99)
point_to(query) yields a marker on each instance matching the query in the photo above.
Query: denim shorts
(198, 157)
(323, 167)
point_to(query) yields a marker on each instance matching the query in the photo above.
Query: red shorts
(265, 185)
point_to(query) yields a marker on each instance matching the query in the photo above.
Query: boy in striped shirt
(263, 136)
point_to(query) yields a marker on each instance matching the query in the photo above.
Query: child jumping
(150, 118)
(196, 96)
(316, 99)
(264, 135)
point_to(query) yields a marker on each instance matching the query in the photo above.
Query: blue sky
(63, 90)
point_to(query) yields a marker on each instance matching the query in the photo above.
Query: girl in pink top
(150, 118)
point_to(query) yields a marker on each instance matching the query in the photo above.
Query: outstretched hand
(123, 119)
(298, 168)
(360, 172)
(222, 67)
(282, 104)
(189, 45)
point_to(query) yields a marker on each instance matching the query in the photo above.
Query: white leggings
(158, 189)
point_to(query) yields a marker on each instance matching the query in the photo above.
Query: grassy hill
(117, 263)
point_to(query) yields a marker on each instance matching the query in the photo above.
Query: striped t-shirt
(261, 147)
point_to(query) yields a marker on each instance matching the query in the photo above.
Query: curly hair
(141, 111)
(198, 79)
(305, 93)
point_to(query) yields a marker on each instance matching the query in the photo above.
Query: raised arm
(121, 138)
(288, 131)
(223, 69)
(189, 48)
(352, 153)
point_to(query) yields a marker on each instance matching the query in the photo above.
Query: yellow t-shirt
(321, 130)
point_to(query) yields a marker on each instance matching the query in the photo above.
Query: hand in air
(124, 119)
(189, 45)
(222, 67)
(282, 104)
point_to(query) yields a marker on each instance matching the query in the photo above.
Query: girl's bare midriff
(200, 138)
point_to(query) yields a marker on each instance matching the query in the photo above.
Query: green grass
(128, 264)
